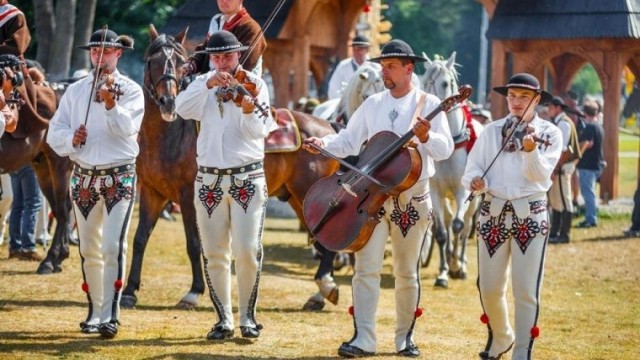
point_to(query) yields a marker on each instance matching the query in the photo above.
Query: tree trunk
(63, 39)
(44, 24)
(84, 29)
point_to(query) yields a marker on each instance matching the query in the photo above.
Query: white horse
(451, 226)
(365, 82)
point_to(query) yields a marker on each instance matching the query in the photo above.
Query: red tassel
(85, 288)
(484, 319)
(535, 332)
(118, 285)
(418, 312)
(366, 8)
(351, 311)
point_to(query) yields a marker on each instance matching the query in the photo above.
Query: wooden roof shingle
(565, 19)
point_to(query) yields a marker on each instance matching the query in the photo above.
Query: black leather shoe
(410, 351)
(108, 330)
(89, 329)
(559, 240)
(484, 355)
(218, 332)
(351, 351)
(250, 332)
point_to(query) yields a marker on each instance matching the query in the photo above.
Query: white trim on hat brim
(222, 49)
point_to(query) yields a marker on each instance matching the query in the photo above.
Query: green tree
(586, 82)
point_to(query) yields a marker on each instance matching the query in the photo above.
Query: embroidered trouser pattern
(508, 242)
(230, 215)
(406, 223)
(103, 206)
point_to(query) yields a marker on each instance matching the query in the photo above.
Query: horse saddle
(286, 138)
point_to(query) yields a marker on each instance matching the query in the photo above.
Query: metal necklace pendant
(393, 115)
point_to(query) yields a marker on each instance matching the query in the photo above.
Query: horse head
(162, 76)
(440, 77)
(366, 81)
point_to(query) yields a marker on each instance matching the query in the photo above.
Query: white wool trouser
(405, 219)
(230, 212)
(6, 199)
(508, 243)
(103, 205)
(560, 195)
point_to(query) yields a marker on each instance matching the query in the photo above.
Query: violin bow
(504, 145)
(95, 77)
(267, 23)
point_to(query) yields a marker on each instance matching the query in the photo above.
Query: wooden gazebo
(304, 37)
(553, 39)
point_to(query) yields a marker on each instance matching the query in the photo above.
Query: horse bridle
(168, 73)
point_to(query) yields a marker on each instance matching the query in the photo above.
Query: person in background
(347, 67)
(591, 164)
(560, 195)
(14, 32)
(233, 17)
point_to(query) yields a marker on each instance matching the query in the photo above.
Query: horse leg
(327, 287)
(190, 299)
(440, 234)
(456, 264)
(53, 174)
(151, 204)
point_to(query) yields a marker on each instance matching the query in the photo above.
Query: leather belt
(105, 171)
(231, 171)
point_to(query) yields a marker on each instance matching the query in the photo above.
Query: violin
(243, 86)
(514, 142)
(109, 81)
(386, 167)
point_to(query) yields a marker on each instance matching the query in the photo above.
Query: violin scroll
(463, 94)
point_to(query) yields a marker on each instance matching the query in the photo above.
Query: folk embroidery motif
(404, 219)
(493, 232)
(210, 196)
(84, 197)
(114, 188)
(242, 194)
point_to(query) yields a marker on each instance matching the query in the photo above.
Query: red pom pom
(366, 8)
(351, 310)
(484, 318)
(85, 288)
(418, 312)
(118, 285)
(535, 332)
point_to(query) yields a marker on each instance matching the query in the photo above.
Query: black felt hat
(222, 42)
(527, 82)
(360, 41)
(397, 49)
(111, 40)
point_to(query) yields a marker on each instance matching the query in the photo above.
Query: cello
(342, 210)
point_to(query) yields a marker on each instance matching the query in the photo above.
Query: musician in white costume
(513, 223)
(400, 108)
(103, 145)
(230, 187)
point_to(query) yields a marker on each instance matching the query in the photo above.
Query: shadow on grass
(41, 303)
(615, 237)
(76, 344)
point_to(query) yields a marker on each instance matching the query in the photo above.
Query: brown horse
(167, 162)
(27, 145)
